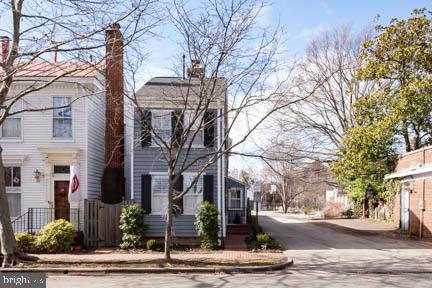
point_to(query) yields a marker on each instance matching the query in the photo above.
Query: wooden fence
(101, 224)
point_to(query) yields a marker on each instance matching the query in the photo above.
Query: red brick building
(413, 203)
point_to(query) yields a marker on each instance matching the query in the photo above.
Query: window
(161, 122)
(13, 190)
(11, 127)
(189, 120)
(62, 118)
(194, 197)
(61, 169)
(235, 198)
(160, 191)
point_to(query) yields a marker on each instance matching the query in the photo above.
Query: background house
(236, 201)
(412, 209)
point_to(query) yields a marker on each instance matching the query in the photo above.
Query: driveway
(314, 246)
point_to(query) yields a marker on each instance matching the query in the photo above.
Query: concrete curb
(131, 270)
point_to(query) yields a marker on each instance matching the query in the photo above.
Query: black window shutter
(146, 129)
(178, 187)
(208, 188)
(209, 129)
(146, 193)
(177, 126)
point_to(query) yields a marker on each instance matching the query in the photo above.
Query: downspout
(219, 183)
(423, 199)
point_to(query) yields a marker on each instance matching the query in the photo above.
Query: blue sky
(302, 20)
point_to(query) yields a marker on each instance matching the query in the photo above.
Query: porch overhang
(71, 154)
(414, 171)
(14, 159)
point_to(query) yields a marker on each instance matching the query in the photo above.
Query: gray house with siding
(158, 102)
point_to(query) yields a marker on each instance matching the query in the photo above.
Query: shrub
(132, 225)
(56, 237)
(333, 210)
(307, 210)
(264, 241)
(349, 213)
(151, 244)
(26, 242)
(207, 225)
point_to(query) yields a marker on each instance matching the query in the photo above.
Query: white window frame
(15, 190)
(231, 198)
(158, 113)
(193, 192)
(162, 195)
(17, 107)
(59, 138)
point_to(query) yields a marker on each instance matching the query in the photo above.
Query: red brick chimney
(4, 47)
(113, 179)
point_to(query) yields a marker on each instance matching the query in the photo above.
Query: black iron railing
(36, 218)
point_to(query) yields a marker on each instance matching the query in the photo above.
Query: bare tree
(329, 66)
(297, 182)
(67, 32)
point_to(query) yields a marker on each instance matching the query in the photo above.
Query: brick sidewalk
(114, 255)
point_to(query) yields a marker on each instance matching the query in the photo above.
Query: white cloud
(310, 32)
(326, 8)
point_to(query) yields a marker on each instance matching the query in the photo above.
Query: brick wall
(114, 128)
(417, 185)
(414, 158)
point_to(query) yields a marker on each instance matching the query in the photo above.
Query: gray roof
(175, 88)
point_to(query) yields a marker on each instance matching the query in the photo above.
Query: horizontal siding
(183, 225)
(95, 144)
(37, 133)
(150, 159)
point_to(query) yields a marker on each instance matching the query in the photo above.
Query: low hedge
(56, 237)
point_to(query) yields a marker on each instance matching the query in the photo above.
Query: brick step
(238, 229)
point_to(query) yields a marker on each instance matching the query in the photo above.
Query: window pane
(8, 176)
(198, 187)
(62, 112)
(235, 198)
(159, 204)
(161, 120)
(16, 177)
(11, 128)
(61, 169)
(193, 199)
(14, 201)
(160, 184)
(62, 128)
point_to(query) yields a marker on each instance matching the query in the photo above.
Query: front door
(61, 201)
(405, 206)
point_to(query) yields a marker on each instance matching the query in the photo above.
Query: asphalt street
(323, 257)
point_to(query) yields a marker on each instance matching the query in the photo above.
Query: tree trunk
(285, 208)
(169, 221)
(405, 134)
(9, 249)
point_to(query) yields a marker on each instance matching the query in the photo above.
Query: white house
(337, 196)
(40, 147)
